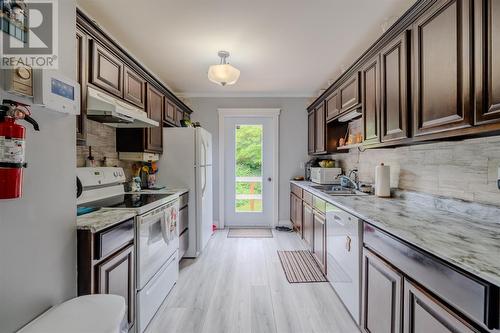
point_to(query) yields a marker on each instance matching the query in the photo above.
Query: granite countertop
(465, 234)
(102, 219)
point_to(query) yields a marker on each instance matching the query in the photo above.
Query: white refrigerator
(186, 162)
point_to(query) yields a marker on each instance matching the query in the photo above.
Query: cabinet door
(154, 137)
(382, 296)
(319, 240)
(487, 48)
(81, 78)
(169, 111)
(442, 68)
(106, 70)
(423, 314)
(394, 90)
(332, 106)
(179, 115)
(349, 93)
(292, 208)
(308, 228)
(320, 130)
(370, 97)
(134, 88)
(116, 276)
(298, 215)
(310, 132)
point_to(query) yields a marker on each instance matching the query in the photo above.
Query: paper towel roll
(383, 181)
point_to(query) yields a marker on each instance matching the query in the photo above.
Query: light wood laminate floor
(238, 285)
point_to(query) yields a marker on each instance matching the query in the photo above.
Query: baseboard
(286, 223)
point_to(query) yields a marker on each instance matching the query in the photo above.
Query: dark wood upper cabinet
(320, 130)
(81, 61)
(170, 110)
(382, 296)
(441, 68)
(310, 132)
(424, 313)
(155, 107)
(349, 93)
(106, 70)
(179, 115)
(134, 88)
(394, 107)
(332, 106)
(370, 97)
(487, 60)
(116, 276)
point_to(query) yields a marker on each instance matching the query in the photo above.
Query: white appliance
(56, 92)
(187, 163)
(156, 236)
(344, 248)
(325, 176)
(114, 112)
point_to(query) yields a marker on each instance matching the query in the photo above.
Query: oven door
(155, 243)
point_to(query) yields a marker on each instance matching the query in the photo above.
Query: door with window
(248, 171)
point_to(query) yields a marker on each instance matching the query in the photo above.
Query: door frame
(249, 113)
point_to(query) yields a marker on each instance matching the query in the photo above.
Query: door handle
(269, 179)
(348, 243)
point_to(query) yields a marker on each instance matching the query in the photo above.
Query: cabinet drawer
(183, 200)
(296, 190)
(307, 197)
(471, 296)
(319, 204)
(108, 241)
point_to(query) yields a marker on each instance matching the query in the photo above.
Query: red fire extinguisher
(12, 147)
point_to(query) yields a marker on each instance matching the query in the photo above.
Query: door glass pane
(248, 170)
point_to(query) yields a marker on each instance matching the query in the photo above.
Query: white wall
(292, 145)
(38, 232)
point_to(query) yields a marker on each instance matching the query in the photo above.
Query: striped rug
(300, 267)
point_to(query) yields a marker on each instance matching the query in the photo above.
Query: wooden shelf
(347, 147)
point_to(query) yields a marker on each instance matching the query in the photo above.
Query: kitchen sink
(337, 190)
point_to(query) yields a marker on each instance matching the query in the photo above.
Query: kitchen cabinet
(155, 107)
(179, 115)
(170, 111)
(298, 215)
(332, 106)
(320, 130)
(134, 88)
(487, 60)
(308, 226)
(441, 68)
(349, 93)
(311, 135)
(370, 92)
(116, 276)
(424, 313)
(394, 90)
(381, 297)
(183, 224)
(81, 78)
(106, 69)
(319, 243)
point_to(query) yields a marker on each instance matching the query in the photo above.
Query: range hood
(111, 111)
(350, 115)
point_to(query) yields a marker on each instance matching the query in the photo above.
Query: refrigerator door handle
(204, 187)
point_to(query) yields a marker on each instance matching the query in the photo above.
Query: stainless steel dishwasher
(344, 248)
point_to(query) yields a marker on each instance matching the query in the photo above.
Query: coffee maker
(312, 163)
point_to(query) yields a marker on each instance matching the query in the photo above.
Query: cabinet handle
(348, 243)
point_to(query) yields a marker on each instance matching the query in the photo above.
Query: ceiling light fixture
(223, 74)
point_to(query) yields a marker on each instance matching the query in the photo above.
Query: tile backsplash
(102, 139)
(460, 169)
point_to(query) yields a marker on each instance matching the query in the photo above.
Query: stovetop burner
(128, 200)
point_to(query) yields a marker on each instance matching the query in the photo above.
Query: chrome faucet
(345, 181)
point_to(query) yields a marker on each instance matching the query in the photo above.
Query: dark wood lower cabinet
(116, 276)
(319, 242)
(424, 314)
(382, 296)
(308, 226)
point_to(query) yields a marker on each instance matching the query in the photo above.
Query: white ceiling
(282, 47)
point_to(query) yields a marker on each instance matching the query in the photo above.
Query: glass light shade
(223, 74)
